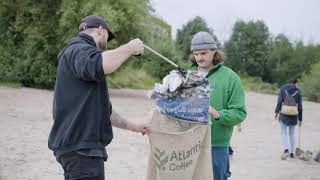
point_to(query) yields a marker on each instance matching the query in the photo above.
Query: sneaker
(285, 155)
(291, 155)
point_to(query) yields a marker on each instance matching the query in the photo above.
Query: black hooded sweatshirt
(81, 106)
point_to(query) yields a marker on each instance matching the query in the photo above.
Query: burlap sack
(179, 151)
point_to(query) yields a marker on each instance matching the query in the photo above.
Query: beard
(102, 45)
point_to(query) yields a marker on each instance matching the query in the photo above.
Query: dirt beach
(25, 122)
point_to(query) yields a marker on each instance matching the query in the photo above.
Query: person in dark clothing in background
(82, 113)
(230, 151)
(289, 121)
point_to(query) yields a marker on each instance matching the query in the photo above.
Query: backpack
(289, 105)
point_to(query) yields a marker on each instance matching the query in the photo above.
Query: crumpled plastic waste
(185, 97)
(177, 85)
(171, 82)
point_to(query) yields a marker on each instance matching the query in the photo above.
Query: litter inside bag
(185, 97)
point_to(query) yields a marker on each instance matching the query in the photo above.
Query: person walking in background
(288, 112)
(82, 113)
(227, 99)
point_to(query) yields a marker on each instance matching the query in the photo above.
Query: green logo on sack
(177, 159)
(161, 159)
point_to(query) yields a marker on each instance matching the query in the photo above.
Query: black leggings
(79, 167)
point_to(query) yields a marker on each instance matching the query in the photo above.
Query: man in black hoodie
(289, 121)
(82, 113)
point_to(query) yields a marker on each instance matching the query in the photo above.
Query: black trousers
(230, 151)
(80, 167)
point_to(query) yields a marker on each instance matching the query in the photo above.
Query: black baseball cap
(94, 22)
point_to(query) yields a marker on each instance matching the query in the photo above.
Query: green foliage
(185, 34)
(288, 60)
(11, 84)
(310, 84)
(33, 32)
(256, 84)
(29, 42)
(279, 59)
(156, 66)
(129, 77)
(248, 47)
(160, 40)
(253, 51)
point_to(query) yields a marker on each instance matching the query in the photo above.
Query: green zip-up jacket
(228, 98)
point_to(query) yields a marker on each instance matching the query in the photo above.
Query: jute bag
(179, 151)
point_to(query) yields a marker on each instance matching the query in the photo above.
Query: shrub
(310, 84)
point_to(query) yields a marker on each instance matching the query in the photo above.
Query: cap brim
(111, 35)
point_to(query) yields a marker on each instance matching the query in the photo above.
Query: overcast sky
(298, 19)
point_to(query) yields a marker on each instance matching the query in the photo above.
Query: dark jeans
(80, 167)
(220, 163)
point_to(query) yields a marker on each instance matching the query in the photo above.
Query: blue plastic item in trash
(191, 109)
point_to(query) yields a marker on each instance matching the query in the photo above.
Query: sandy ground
(25, 122)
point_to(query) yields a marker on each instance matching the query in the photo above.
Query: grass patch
(11, 84)
(131, 78)
(257, 85)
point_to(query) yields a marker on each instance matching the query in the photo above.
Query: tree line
(33, 32)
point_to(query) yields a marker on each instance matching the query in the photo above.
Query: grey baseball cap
(202, 41)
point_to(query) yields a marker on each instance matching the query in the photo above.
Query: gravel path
(25, 122)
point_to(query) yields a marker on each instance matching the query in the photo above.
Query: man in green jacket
(227, 99)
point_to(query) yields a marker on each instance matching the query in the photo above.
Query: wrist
(131, 48)
(131, 126)
(217, 117)
(126, 49)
